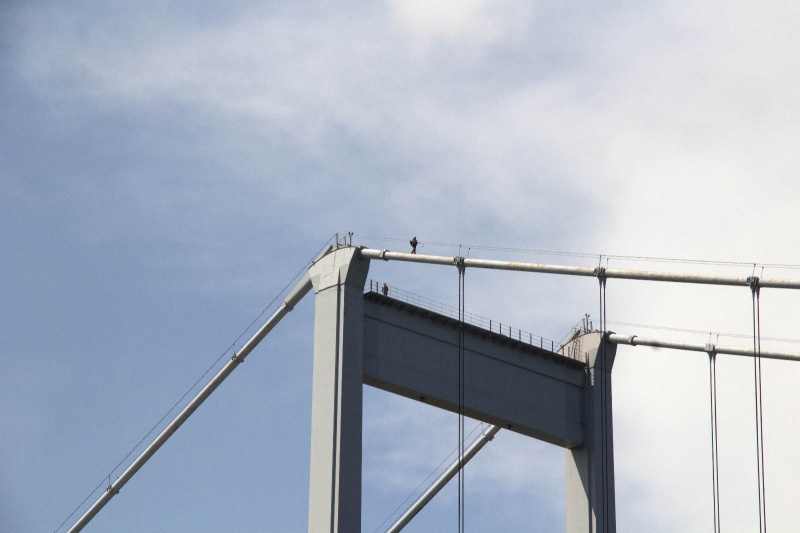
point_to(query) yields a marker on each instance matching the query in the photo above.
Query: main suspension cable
(582, 255)
(718, 334)
(231, 347)
(424, 482)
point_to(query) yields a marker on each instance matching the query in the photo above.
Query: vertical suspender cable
(712, 387)
(606, 506)
(461, 363)
(460, 427)
(600, 272)
(762, 504)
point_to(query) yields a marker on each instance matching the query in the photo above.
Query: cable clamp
(112, 490)
(235, 357)
(631, 339)
(600, 273)
(753, 283)
(711, 349)
(458, 261)
(382, 255)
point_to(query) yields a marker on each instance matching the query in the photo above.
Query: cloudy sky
(166, 168)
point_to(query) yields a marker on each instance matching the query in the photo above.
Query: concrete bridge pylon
(334, 500)
(562, 398)
(590, 467)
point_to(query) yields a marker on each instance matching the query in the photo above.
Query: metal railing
(449, 311)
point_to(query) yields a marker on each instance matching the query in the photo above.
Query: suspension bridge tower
(562, 398)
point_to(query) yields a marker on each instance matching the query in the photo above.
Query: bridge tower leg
(334, 503)
(590, 468)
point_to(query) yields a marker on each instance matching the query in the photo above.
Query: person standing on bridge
(385, 290)
(413, 243)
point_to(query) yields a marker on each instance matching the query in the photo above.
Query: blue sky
(165, 169)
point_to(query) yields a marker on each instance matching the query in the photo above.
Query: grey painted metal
(486, 436)
(386, 255)
(412, 351)
(288, 304)
(635, 340)
(590, 500)
(334, 500)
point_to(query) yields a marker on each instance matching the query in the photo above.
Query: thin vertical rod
(762, 504)
(603, 401)
(712, 378)
(461, 385)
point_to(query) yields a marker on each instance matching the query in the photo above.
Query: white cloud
(473, 24)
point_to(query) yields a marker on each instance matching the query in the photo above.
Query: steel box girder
(414, 353)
